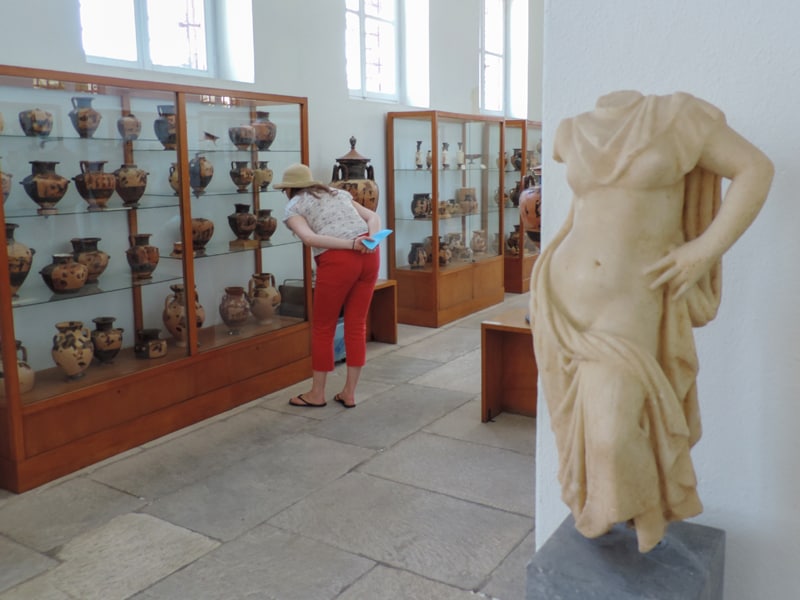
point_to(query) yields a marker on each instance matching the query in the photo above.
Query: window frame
(483, 53)
(144, 61)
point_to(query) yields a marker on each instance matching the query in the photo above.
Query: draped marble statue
(615, 294)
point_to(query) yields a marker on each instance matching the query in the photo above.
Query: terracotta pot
(177, 250)
(25, 374)
(174, 314)
(512, 242)
(36, 122)
(266, 225)
(5, 185)
(418, 155)
(149, 345)
(421, 206)
(20, 259)
(234, 309)
(516, 159)
(530, 204)
(94, 184)
(352, 174)
(200, 173)
(106, 340)
(478, 241)
(202, 231)
(165, 126)
(242, 136)
(264, 297)
(265, 130)
(85, 119)
(86, 253)
(262, 175)
(242, 222)
(445, 155)
(72, 348)
(64, 275)
(175, 178)
(45, 186)
(129, 127)
(142, 257)
(131, 183)
(241, 175)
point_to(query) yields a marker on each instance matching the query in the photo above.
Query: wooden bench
(508, 366)
(382, 316)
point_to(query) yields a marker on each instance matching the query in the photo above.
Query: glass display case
(143, 261)
(523, 149)
(445, 181)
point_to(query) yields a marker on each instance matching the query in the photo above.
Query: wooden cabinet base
(517, 272)
(69, 433)
(508, 366)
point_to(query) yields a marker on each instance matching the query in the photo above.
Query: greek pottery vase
(266, 225)
(129, 127)
(64, 275)
(200, 173)
(20, 258)
(512, 242)
(502, 161)
(242, 222)
(418, 155)
(175, 178)
(131, 183)
(5, 185)
(177, 250)
(265, 130)
(106, 339)
(94, 184)
(148, 344)
(417, 257)
(429, 159)
(85, 119)
(262, 175)
(36, 122)
(352, 174)
(86, 253)
(467, 200)
(25, 374)
(242, 136)
(72, 348)
(530, 205)
(202, 231)
(445, 254)
(421, 206)
(478, 241)
(460, 156)
(45, 186)
(234, 309)
(241, 175)
(165, 126)
(264, 297)
(427, 245)
(174, 314)
(516, 159)
(142, 257)
(445, 155)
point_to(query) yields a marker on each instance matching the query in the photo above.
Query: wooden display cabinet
(63, 424)
(444, 180)
(523, 147)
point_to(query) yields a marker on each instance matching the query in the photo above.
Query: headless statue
(615, 294)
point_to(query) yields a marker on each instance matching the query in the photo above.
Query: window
(378, 50)
(504, 57)
(169, 35)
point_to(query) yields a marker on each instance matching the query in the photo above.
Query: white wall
(744, 59)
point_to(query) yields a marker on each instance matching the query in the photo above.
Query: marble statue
(615, 294)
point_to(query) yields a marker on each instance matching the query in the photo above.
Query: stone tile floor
(409, 496)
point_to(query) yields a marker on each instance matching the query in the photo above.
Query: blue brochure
(377, 237)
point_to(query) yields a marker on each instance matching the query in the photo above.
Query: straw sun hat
(296, 176)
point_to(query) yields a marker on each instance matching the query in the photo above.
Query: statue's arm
(729, 155)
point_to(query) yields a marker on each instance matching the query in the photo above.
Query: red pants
(344, 278)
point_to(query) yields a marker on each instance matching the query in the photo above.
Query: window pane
(100, 39)
(352, 5)
(353, 51)
(518, 59)
(383, 9)
(379, 55)
(493, 83)
(177, 31)
(493, 26)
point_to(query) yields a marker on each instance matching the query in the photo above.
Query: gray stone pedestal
(688, 564)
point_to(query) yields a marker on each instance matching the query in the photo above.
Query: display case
(143, 262)
(523, 148)
(445, 183)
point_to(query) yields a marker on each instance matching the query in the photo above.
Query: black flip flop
(305, 403)
(340, 400)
